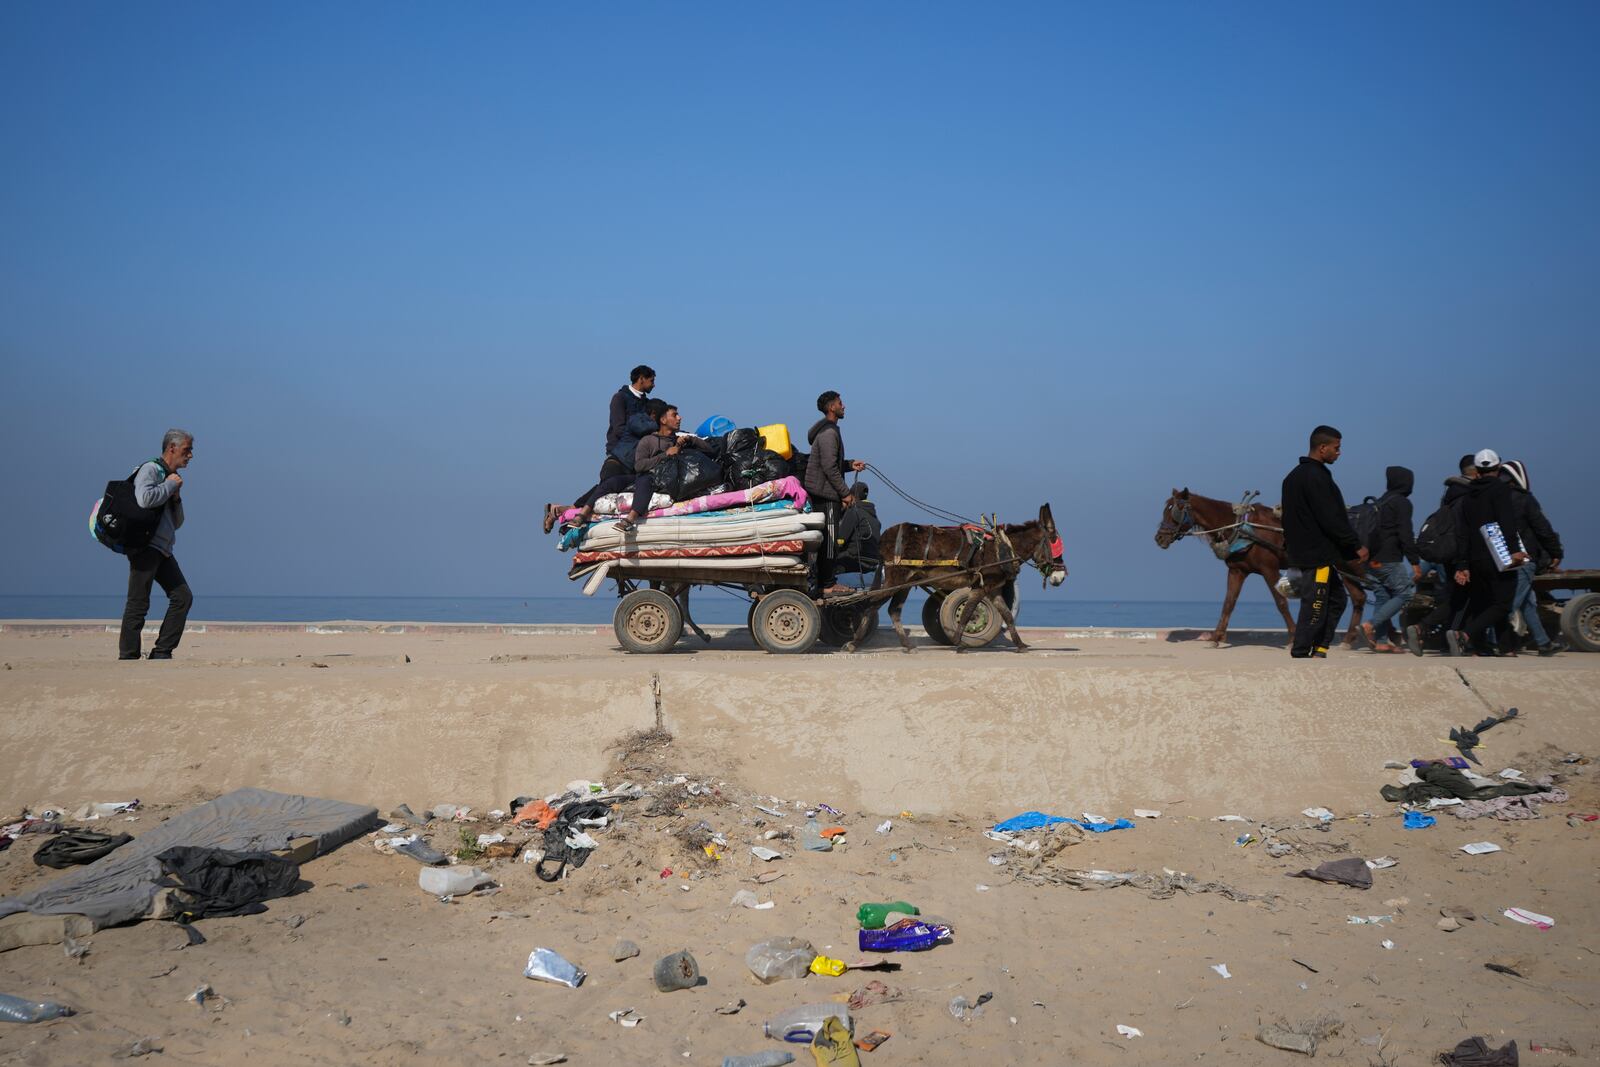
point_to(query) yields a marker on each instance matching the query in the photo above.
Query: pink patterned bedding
(780, 489)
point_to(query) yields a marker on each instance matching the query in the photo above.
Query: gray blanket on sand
(119, 887)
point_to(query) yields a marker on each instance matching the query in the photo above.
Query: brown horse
(1257, 534)
(952, 558)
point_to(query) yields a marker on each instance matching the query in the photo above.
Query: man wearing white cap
(1491, 553)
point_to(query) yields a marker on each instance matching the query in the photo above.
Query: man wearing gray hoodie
(1394, 566)
(156, 485)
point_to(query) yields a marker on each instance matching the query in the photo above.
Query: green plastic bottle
(870, 916)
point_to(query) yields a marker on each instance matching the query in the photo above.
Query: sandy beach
(365, 967)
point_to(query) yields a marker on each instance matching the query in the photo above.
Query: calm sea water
(709, 606)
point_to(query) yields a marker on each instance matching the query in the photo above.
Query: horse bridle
(1179, 525)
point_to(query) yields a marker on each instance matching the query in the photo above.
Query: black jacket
(1489, 500)
(859, 531)
(1539, 538)
(825, 473)
(1394, 540)
(1316, 525)
(1455, 487)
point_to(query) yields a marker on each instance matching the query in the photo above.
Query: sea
(709, 606)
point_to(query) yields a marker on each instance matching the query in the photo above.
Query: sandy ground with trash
(364, 967)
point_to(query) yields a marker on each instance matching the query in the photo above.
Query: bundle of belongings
(738, 507)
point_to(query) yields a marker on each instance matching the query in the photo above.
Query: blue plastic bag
(1029, 820)
(1415, 820)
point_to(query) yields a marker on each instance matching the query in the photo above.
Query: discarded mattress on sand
(120, 887)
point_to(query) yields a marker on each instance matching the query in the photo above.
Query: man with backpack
(1393, 564)
(1484, 565)
(156, 484)
(1318, 539)
(1437, 546)
(1540, 540)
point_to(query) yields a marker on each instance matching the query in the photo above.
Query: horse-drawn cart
(1578, 613)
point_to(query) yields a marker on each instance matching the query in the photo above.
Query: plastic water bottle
(17, 1010)
(873, 916)
(773, 1057)
(907, 936)
(801, 1025)
(451, 881)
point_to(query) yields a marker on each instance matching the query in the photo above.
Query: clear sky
(387, 261)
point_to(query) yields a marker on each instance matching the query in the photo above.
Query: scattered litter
(779, 958)
(1306, 965)
(800, 1025)
(1532, 918)
(17, 1010)
(542, 1059)
(1415, 820)
(1511, 774)
(874, 992)
(485, 840)
(1444, 802)
(1029, 820)
(1369, 920)
(774, 812)
(761, 852)
(451, 881)
(768, 876)
(872, 1040)
(982, 888)
(201, 994)
(1480, 848)
(548, 966)
(1222, 969)
(884, 827)
(1351, 872)
(1500, 968)
(908, 935)
(1245, 840)
(732, 1007)
(1230, 818)
(1382, 863)
(746, 899)
(1129, 1031)
(1146, 813)
(1475, 1051)
(627, 1017)
(1278, 849)
(458, 812)
(1386, 943)
(875, 915)
(966, 1011)
(1320, 814)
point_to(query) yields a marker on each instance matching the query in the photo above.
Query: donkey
(962, 557)
(1249, 543)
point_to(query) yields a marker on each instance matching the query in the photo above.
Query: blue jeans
(1528, 604)
(1392, 589)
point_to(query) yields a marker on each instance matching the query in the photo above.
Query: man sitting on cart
(859, 530)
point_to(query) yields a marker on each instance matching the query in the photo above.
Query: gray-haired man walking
(157, 485)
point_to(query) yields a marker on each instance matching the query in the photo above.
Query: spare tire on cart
(647, 620)
(786, 621)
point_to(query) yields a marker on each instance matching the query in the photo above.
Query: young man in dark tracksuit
(1318, 540)
(1394, 566)
(859, 531)
(1490, 590)
(1449, 599)
(1543, 545)
(825, 482)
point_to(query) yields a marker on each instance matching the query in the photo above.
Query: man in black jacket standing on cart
(1318, 540)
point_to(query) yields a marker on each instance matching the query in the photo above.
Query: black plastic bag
(769, 466)
(215, 881)
(686, 475)
(743, 440)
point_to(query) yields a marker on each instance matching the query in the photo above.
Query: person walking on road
(1491, 584)
(1394, 566)
(157, 484)
(1543, 544)
(1318, 540)
(1449, 599)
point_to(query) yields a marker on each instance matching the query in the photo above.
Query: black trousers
(1489, 597)
(610, 469)
(1448, 605)
(828, 554)
(1320, 610)
(618, 483)
(145, 567)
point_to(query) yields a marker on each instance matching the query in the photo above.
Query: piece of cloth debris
(1438, 780)
(1510, 809)
(120, 887)
(1475, 1052)
(215, 881)
(1352, 872)
(78, 847)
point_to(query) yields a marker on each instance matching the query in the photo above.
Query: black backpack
(120, 523)
(1439, 540)
(1364, 521)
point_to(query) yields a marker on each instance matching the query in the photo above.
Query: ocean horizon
(709, 606)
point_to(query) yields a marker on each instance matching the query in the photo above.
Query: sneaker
(158, 654)
(1457, 642)
(1414, 639)
(1548, 650)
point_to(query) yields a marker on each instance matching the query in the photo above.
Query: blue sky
(388, 261)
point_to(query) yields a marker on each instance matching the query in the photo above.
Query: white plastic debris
(1444, 802)
(762, 853)
(1511, 774)
(885, 826)
(1382, 862)
(1229, 818)
(1369, 920)
(774, 812)
(1320, 814)
(746, 899)
(997, 860)
(485, 840)
(1480, 848)
(1386, 943)
(1222, 969)
(627, 1017)
(1129, 1031)
(582, 840)
(982, 888)
(1091, 817)
(549, 966)
(1532, 918)
(1146, 813)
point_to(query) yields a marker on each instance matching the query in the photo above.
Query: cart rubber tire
(786, 622)
(648, 620)
(1580, 622)
(982, 628)
(930, 619)
(839, 624)
(750, 618)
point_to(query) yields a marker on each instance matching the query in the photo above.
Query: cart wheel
(930, 618)
(648, 620)
(750, 618)
(1580, 622)
(841, 623)
(982, 628)
(786, 622)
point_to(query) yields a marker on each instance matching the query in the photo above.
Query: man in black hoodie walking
(1491, 582)
(1394, 566)
(1449, 599)
(1318, 540)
